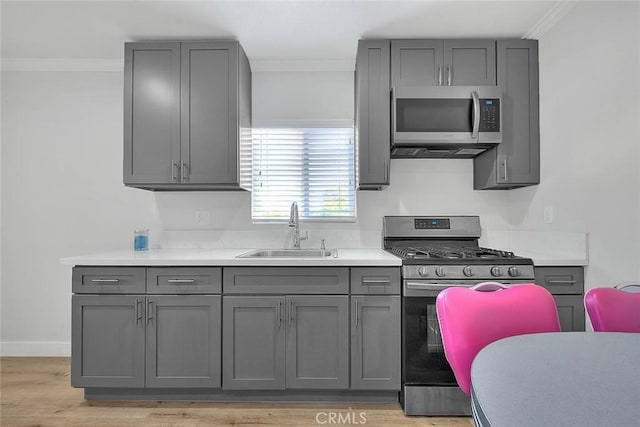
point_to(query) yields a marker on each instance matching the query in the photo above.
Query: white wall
(62, 191)
(590, 133)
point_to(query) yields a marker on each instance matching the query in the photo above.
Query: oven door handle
(435, 286)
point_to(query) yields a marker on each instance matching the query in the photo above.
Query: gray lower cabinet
(253, 343)
(373, 114)
(115, 337)
(443, 62)
(278, 342)
(185, 104)
(515, 162)
(107, 341)
(566, 284)
(183, 340)
(375, 342)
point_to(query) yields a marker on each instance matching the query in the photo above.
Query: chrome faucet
(294, 221)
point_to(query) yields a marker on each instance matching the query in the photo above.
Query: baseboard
(35, 349)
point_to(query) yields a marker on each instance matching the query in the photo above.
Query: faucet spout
(294, 221)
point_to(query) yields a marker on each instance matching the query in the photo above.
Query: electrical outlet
(548, 215)
(202, 217)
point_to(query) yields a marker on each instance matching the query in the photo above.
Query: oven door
(424, 361)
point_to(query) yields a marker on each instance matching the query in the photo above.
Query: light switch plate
(548, 215)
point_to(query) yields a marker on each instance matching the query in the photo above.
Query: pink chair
(471, 318)
(614, 309)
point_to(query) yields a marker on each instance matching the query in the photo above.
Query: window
(312, 166)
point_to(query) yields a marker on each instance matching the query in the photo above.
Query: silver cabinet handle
(290, 312)
(138, 313)
(504, 163)
(175, 171)
(185, 172)
(178, 281)
(149, 310)
(476, 114)
(439, 75)
(105, 280)
(562, 281)
(279, 314)
(449, 75)
(367, 282)
(357, 315)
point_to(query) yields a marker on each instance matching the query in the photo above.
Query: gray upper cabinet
(317, 342)
(443, 62)
(187, 108)
(515, 162)
(417, 63)
(373, 114)
(108, 341)
(375, 342)
(183, 341)
(151, 112)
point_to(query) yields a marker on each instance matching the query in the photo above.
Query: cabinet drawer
(375, 280)
(184, 280)
(561, 280)
(108, 280)
(286, 280)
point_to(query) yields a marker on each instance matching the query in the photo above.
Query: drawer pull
(178, 281)
(105, 280)
(376, 281)
(562, 281)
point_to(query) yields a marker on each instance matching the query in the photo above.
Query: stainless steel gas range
(437, 253)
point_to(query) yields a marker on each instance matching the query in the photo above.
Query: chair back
(471, 318)
(614, 309)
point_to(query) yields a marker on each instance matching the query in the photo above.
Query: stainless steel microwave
(445, 121)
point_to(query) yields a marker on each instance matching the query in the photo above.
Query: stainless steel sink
(288, 253)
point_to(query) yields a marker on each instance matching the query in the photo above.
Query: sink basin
(287, 253)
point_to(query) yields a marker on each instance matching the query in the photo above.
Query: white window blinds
(312, 166)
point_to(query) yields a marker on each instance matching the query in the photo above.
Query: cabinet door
(373, 114)
(469, 62)
(183, 341)
(317, 342)
(253, 355)
(375, 343)
(570, 312)
(151, 113)
(107, 343)
(515, 162)
(209, 100)
(417, 63)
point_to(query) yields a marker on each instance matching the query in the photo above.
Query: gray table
(558, 379)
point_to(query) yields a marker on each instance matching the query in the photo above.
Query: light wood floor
(36, 392)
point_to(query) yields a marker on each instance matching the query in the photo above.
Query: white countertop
(227, 257)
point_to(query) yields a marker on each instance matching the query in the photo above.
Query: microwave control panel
(489, 115)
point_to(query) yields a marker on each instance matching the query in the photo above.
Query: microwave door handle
(476, 114)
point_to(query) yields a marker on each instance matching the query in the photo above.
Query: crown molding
(62, 64)
(271, 66)
(550, 19)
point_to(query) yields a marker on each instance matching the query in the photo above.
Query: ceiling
(268, 30)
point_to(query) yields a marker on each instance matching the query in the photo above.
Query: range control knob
(440, 271)
(513, 271)
(495, 271)
(423, 271)
(467, 271)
